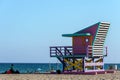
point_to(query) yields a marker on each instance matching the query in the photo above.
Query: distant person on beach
(11, 70)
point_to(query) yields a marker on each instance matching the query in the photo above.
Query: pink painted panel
(92, 30)
(80, 45)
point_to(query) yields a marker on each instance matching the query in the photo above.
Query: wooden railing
(90, 51)
(60, 51)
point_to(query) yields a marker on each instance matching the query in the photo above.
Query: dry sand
(108, 76)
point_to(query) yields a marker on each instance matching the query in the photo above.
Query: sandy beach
(108, 76)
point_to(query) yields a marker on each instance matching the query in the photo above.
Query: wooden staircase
(98, 43)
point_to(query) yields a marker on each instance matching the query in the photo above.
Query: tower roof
(91, 30)
(98, 32)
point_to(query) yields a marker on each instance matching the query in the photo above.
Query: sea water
(41, 67)
(30, 67)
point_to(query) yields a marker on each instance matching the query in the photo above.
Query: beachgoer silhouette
(12, 68)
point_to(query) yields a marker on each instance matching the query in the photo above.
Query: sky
(29, 27)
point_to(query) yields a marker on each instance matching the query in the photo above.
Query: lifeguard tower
(87, 51)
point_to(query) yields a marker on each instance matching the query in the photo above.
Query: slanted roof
(91, 30)
(94, 30)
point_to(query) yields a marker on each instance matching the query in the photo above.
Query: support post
(93, 62)
(73, 63)
(83, 64)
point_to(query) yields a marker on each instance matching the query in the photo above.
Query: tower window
(86, 39)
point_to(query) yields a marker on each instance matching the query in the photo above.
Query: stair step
(99, 36)
(97, 45)
(104, 24)
(99, 42)
(107, 25)
(97, 52)
(96, 48)
(98, 55)
(101, 45)
(101, 31)
(104, 27)
(101, 39)
(104, 33)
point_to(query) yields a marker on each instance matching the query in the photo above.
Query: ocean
(39, 67)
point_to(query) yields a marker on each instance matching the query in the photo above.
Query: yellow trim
(76, 64)
(99, 60)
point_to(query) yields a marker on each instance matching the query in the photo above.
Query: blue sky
(29, 27)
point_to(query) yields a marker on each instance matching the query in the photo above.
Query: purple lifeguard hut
(87, 51)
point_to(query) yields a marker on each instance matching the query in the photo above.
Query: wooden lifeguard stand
(87, 51)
